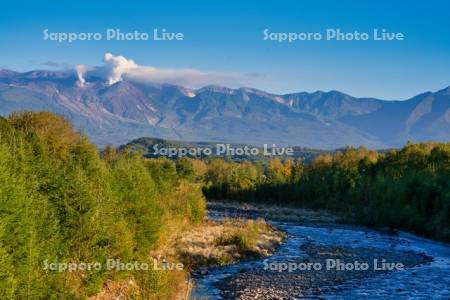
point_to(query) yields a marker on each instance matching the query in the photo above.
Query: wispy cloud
(54, 64)
(117, 68)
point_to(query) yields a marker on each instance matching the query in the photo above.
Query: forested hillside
(60, 201)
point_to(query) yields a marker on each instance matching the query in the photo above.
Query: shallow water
(429, 281)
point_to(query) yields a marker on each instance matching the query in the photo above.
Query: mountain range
(117, 113)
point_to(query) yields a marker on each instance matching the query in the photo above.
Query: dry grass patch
(221, 243)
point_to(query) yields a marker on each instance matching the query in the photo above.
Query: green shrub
(60, 201)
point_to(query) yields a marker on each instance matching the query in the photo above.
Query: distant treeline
(63, 202)
(147, 146)
(406, 189)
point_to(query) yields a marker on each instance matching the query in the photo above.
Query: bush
(60, 201)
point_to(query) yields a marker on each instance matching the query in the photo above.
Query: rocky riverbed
(321, 270)
(318, 240)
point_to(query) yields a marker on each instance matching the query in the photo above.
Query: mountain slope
(115, 114)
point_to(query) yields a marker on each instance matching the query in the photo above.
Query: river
(425, 273)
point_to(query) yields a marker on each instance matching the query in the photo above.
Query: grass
(243, 234)
(226, 242)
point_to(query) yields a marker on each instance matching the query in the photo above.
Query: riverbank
(218, 243)
(212, 243)
(240, 210)
(317, 237)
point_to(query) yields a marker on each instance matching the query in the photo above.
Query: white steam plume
(117, 68)
(81, 70)
(118, 65)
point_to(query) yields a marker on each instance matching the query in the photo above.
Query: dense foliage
(61, 201)
(406, 189)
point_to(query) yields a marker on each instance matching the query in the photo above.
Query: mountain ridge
(118, 113)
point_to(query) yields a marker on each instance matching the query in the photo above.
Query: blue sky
(226, 37)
